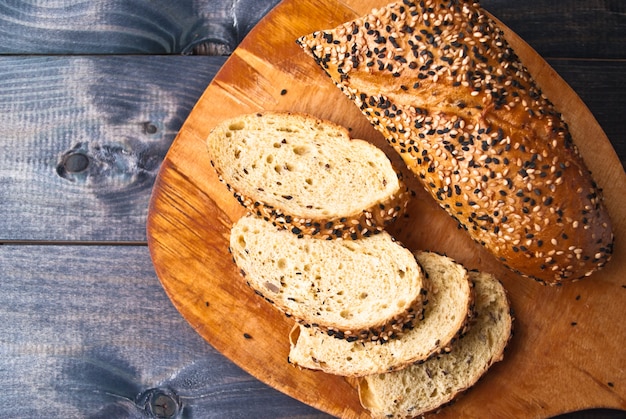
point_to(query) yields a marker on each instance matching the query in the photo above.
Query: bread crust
(369, 221)
(438, 79)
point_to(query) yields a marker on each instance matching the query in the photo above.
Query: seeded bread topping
(438, 79)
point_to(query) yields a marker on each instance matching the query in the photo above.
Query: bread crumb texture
(307, 175)
(366, 289)
(438, 79)
(446, 315)
(424, 387)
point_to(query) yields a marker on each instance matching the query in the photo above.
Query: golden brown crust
(439, 80)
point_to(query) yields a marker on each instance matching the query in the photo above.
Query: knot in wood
(150, 128)
(75, 163)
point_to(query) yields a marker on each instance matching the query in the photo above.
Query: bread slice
(439, 80)
(446, 314)
(424, 387)
(365, 289)
(307, 175)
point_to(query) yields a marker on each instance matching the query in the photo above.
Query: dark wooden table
(92, 94)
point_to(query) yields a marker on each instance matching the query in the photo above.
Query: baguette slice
(421, 388)
(449, 307)
(364, 289)
(307, 175)
(438, 79)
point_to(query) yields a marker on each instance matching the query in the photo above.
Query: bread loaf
(449, 307)
(438, 79)
(424, 387)
(365, 289)
(307, 175)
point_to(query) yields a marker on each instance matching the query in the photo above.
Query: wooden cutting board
(568, 349)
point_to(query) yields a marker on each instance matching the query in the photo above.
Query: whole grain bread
(365, 289)
(446, 314)
(438, 79)
(307, 175)
(424, 387)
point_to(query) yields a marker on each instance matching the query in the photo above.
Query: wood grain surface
(116, 115)
(106, 27)
(86, 330)
(93, 335)
(569, 342)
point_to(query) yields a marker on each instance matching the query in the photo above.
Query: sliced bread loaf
(424, 387)
(446, 315)
(364, 289)
(307, 175)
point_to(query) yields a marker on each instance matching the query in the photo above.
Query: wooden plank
(601, 84)
(127, 26)
(566, 29)
(87, 331)
(114, 117)
(122, 113)
(590, 29)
